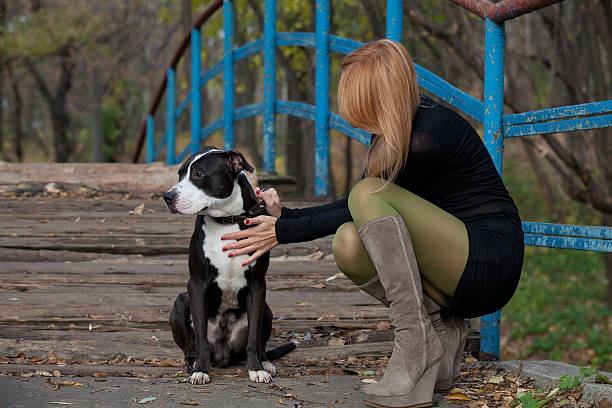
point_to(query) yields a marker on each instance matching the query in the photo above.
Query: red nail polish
(243, 264)
(222, 239)
(224, 249)
(246, 221)
(230, 255)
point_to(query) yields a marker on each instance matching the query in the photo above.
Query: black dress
(449, 166)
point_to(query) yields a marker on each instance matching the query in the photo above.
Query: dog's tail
(280, 351)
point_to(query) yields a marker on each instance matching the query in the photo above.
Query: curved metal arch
(427, 79)
(298, 109)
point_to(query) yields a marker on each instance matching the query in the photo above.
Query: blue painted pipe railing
(489, 112)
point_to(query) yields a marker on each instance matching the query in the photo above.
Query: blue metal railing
(490, 112)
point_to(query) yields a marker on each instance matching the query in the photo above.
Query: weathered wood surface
(70, 259)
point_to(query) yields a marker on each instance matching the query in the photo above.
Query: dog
(223, 317)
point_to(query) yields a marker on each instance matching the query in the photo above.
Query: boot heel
(420, 396)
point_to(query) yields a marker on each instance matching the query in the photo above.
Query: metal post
(170, 120)
(322, 98)
(269, 136)
(150, 139)
(196, 96)
(394, 20)
(228, 74)
(494, 141)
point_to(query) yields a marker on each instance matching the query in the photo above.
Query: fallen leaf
(280, 401)
(316, 256)
(552, 392)
(458, 397)
(14, 299)
(335, 341)
(137, 211)
(383, 325)
(317, 286)
(147, 399)
(331, 278)
(190, 403)
(99, 375)
(56, 385)
(471, 359)
(369, 380)
(456, 391)
(495, 380)
(603, 403)
(602, 379)
(290, 395)
(367, 372)
(56, 373)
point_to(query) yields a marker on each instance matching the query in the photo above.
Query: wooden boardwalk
(88, 276)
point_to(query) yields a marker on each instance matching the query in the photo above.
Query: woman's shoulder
(433, 117)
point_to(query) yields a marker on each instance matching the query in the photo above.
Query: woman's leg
(353, 260)
(440, 240)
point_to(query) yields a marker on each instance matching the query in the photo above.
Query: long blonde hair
(378, 92)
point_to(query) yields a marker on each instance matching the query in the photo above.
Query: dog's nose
(169, 196)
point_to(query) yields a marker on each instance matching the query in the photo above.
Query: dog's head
(207, 183)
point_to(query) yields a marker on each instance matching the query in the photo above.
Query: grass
(559, 311)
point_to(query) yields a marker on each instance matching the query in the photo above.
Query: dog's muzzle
(169, 197)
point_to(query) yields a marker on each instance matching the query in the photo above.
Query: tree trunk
(97, 137)
(17, 113)
(186, 24)
(607, 220)
(2, 96)
(57, 104)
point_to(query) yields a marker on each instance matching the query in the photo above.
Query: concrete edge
(546, 373)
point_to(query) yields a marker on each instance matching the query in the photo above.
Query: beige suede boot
(375, 289)
(413, 367)
(452, 333)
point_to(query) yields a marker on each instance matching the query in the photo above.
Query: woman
(430, 225)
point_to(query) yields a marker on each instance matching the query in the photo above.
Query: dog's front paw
(270, 368)
(199, 377)
(260, 376)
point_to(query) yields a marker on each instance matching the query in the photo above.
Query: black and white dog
(223, 317)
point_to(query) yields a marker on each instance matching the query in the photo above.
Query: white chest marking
(231, 274)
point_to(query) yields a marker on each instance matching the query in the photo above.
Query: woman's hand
(258, 239)
(272, 200)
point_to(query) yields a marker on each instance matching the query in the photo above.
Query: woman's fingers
(236, 235)
(272, 200)
(253, 257)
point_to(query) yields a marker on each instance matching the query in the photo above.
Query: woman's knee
(350, 254)
(362, 191)
(346, 246)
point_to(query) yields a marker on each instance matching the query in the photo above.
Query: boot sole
(421, 395)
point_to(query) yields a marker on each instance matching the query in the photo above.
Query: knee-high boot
(413, 367)
(452, 333)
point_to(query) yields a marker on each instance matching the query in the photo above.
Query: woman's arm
(309, 211)
(268, 231)
(314, 226)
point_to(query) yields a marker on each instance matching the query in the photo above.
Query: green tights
(439, 239)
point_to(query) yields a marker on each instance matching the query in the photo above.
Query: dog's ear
(236, 162)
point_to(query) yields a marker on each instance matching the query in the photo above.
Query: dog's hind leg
(182, 332)
(266, 332)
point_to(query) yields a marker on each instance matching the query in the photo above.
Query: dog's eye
(197, 174)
